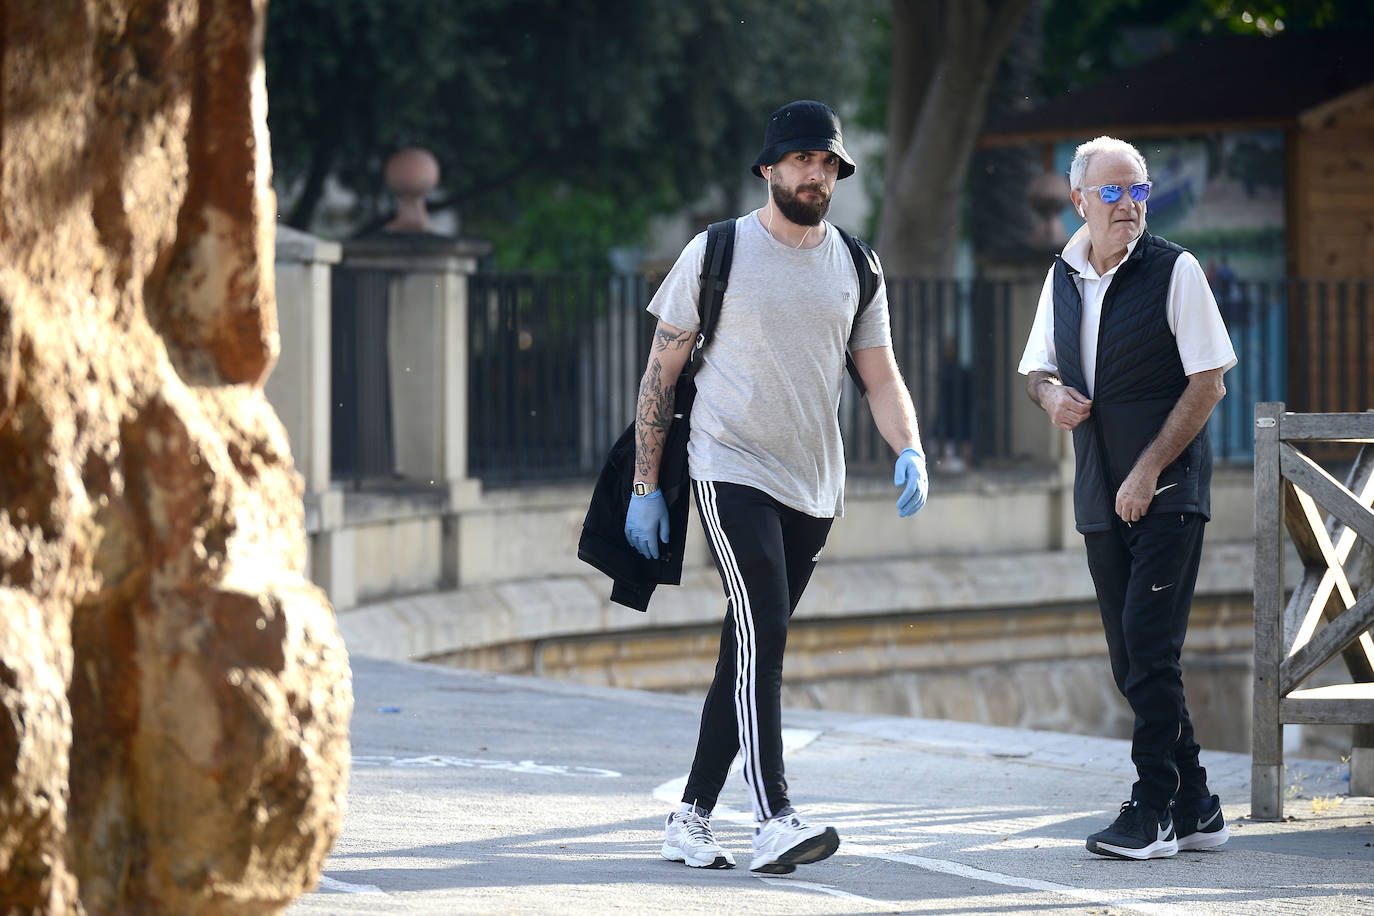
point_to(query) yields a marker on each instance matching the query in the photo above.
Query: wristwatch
(644, 489)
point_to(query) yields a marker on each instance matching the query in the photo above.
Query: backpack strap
(866, 266)
(715, 275)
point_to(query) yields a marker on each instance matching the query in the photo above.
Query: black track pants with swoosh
(765, 552)
(1144, 574)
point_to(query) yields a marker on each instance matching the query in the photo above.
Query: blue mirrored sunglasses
(1111, 193)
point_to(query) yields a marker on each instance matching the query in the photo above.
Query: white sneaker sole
(1204, 840)
(1160, 849)
(674, 854)
(811, 849)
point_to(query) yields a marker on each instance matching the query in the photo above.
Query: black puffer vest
(1139, 379)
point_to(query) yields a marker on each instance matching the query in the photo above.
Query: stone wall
(174, 694)
(1040, 668)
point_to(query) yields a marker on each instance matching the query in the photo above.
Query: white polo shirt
(1194, 318)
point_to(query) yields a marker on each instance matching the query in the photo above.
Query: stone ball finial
(411, 173)
(1047, 195)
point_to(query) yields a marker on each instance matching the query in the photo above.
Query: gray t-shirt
(768, 389)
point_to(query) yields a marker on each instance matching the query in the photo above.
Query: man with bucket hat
(766, 460)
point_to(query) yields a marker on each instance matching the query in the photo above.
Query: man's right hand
(646, 523)
(1066, 406)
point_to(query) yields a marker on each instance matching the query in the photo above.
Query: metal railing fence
(1306, 342)
(555, 362)
(953, 342)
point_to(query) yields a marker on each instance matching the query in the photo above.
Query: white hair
(1086, 151)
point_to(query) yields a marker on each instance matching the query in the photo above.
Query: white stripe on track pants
(765, 553)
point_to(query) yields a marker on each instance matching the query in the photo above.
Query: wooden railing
(1331, 611)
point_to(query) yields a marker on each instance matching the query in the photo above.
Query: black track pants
(765, 552)
(1144, 574)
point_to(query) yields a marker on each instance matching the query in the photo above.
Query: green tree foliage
(928, 58)
(561, 126)
(1086, 38)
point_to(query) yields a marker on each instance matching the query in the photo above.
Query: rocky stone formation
(174, 695)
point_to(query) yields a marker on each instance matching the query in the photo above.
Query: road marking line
(671, 791)
(1087, 895)
(343, 887)
(823, 888)
(793, 739)
(514, 766)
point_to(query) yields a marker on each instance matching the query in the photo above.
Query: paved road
(475, 793)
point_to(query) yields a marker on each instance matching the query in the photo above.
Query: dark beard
(796, 210)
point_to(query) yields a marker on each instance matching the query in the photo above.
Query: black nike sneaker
(1139, 832)
(1199, 823)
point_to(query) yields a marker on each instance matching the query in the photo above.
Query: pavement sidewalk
(477, 793)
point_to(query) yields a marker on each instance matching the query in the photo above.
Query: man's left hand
(910, 474)
(1136, 493)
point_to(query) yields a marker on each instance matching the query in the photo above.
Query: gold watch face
(642, 489)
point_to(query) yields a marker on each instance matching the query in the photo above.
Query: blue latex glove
(910, 474)
(647, 523)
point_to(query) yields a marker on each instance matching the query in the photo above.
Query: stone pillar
(299, 389)
(427, 348)
(331, 555)
(299, 385)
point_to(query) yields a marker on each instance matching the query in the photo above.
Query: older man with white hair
(1128, 350)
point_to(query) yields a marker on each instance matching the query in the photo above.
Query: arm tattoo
(654, 415)
(654, 411)
(666, 341)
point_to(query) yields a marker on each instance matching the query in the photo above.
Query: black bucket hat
(803, 125)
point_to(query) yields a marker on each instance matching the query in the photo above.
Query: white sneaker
(687, 838)
(785, 841)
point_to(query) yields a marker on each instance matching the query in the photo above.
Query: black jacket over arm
(603, 543)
